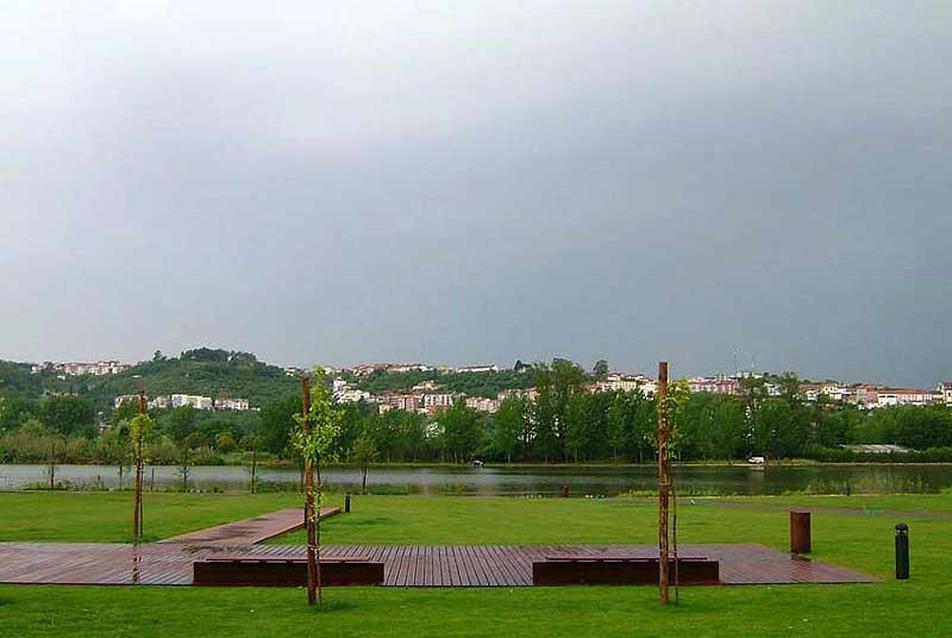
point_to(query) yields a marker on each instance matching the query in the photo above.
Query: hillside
(213, 373)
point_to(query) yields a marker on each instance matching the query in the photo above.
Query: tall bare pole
(309, 516)
(137, 451)
(664, 482)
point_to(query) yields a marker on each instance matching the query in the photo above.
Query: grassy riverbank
(855, 531)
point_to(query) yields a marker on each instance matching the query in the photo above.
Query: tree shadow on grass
(379, 520)
(333, 606)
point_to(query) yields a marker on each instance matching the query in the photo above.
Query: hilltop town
(430, 388)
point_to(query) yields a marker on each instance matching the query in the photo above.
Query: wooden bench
(269, 571)
(621, 570)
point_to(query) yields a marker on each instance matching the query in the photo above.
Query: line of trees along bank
(566, 423)
(563, 423)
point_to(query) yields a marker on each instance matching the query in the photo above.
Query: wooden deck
(170, 563)
(252, 530)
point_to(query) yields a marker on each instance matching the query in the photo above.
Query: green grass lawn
(107, 517)
(863, 541)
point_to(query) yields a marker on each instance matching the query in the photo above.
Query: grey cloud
(372, 181)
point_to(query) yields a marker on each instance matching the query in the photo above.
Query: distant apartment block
(394, 401)
(238, 405)
(482, 404)
(945, 391)
(438, 400)
(161, 402)
(478, 368)
(197, 402)
(619, 382)
(871, 396)
(351, 395)
(369, 368)
(714, 385)
(530, 394)
(75, 369)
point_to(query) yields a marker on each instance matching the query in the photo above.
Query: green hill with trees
(203, 371)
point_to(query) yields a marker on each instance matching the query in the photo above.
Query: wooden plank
(252, 530)
(430, 566)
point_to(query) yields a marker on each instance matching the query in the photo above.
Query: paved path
(252, 530)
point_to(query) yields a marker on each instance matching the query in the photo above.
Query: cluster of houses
(426, 398)
(65, 369)
(429, 398)
(166, 401)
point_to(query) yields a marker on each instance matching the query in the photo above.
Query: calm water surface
(607, 481)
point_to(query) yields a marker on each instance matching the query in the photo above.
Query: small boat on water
(757, 462)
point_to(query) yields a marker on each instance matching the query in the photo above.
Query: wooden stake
(137, 451)
(309, 516)
(664, 482)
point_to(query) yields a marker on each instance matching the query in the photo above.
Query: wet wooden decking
(170, 563)
(252, 530)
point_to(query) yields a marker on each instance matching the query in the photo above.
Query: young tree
(317, 428)
(139, 428)
(364, 453)
(250, 442)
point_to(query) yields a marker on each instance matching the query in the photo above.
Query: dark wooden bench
(269, 571)
(621, 570)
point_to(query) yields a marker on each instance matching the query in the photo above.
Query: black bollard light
(347, 503)
(902, 551)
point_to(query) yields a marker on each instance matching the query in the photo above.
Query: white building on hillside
(482, 404)
(239, 405)
(478, 368)
(628, 383)
(945, 390)
(197, 402)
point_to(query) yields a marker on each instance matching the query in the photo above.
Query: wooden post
(254, 461)
(309, 517)
(137, 451)
(664, 482)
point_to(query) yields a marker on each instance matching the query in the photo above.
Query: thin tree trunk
(254, 465)
(363, 482)
(317, 536)
(310, 518)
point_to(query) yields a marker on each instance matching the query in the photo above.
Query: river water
(587, 480)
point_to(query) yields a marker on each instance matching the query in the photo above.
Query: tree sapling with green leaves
(317, 428)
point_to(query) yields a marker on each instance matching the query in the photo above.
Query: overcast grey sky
(481, 181)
